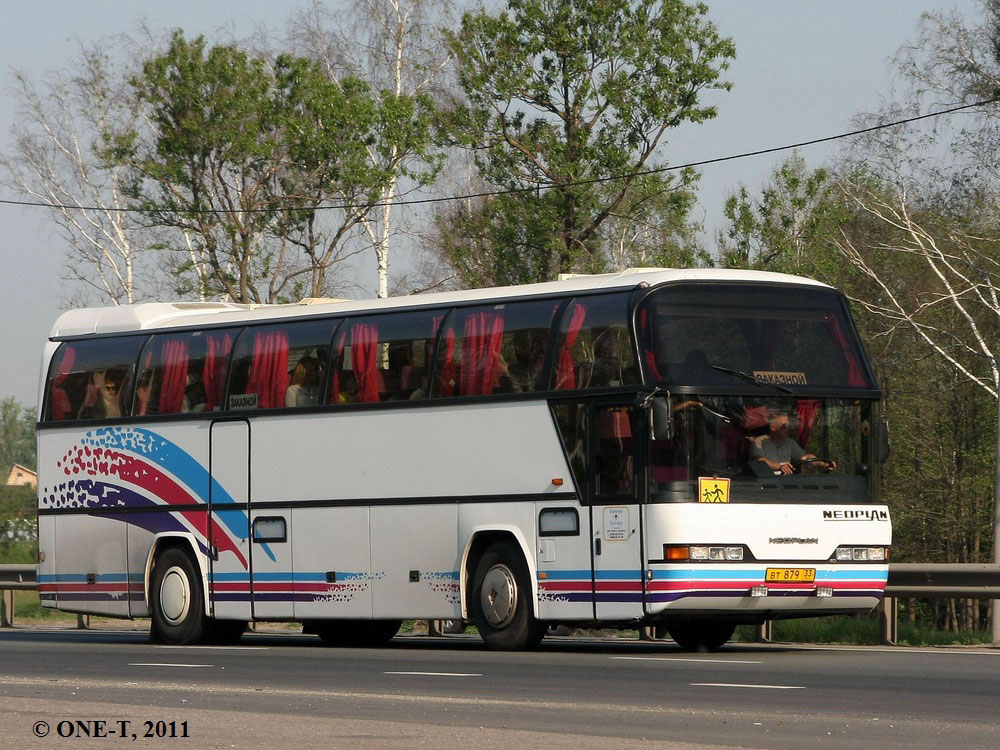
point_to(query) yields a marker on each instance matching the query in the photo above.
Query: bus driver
(778, 451)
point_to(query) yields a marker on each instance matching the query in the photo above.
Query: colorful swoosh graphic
(133, 467)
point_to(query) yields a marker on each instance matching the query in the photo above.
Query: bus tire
(501, 602)
(358, 633)
(701, 635)
(176, 599)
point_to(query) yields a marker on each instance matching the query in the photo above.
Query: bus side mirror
(881, 442)
(661, 418)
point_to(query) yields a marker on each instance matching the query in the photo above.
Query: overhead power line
(577, 183)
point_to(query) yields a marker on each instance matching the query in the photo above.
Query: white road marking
(156, 664)
(678, 658)
(737, 685)
(222, 648)
(439, 674)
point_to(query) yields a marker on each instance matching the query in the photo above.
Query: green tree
(17, 435)
(567, 103)
(790, 227)
(395, 45)
(262, 168)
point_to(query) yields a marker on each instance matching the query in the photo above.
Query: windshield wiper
(753, 379)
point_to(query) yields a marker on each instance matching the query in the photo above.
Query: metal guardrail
(943, 580)
(906, 581)
(18, 576)
(14, 577)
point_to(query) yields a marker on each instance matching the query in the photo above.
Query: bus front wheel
(501, 600)
(701, 635)
(176, 599)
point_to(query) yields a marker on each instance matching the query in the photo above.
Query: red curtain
(805, 412)
(174, 356)
(855, 375)
(269, 370)
(60, 405)
(364, 355)
(646, 335)
(218, 346)
(482, 345)
(565, 376)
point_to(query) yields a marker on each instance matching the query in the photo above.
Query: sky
(804, 69)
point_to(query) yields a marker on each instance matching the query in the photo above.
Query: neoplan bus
(587, 451)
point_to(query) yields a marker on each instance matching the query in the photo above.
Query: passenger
(348, 387)
(103, 400)
(304, 388)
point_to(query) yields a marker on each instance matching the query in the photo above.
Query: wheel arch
(189, 544)
(480, 539)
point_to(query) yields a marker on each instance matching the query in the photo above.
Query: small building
(22, 475)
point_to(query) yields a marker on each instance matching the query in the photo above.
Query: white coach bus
(687, 449)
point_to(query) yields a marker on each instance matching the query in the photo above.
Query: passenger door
(617, 479)
(229, 519)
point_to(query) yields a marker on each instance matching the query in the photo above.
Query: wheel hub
(175, 596)
(499, 596)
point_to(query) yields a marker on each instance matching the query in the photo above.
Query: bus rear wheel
(501, 602)
(176, 599)
(365, 633)
(701, 635)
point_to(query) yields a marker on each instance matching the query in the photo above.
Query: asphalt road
(282, 690)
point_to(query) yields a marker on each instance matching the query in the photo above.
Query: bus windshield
(780, 449)
(725, 335)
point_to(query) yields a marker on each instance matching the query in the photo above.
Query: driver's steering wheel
(801, 463)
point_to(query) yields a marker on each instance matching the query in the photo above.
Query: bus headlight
(702, 553)
(862, 554)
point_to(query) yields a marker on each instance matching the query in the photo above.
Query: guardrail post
(888, 618)
(6, 610)
(765, 632)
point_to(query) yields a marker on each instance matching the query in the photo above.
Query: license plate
(790, 575)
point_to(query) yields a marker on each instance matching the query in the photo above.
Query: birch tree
(395, 45)
(62, 158)
(261, 162)
(936, 195)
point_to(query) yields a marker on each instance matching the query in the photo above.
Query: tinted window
(595, 349)
(495, 349)
(183, 372)
(784, 334)
(281, 366)
(92, 379)
(384, 358)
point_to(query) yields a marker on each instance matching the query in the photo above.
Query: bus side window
(92, 379)
(594, 346)
(383, 358)
(183, 372)
(494, 349)
(266, 372)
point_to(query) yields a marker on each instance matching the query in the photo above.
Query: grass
(863, 631)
